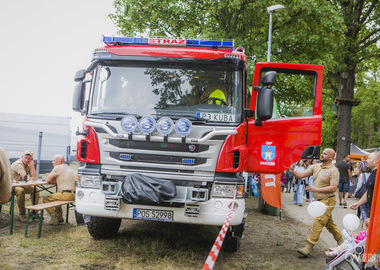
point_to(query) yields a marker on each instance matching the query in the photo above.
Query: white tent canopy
(357, 151)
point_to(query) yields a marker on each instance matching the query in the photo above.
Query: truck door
(296, 124)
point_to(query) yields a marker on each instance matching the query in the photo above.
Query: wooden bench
(37, 211)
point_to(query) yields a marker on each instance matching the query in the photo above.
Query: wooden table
(34, 184)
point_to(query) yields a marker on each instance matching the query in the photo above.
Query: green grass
(139, 246)
(269, 243)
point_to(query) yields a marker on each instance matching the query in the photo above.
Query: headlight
(165, 125)
(183, 127)
(129, 123)
(147, 124)
(90, 181)
(227, 191)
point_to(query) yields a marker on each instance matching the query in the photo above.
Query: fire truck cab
(170, 125)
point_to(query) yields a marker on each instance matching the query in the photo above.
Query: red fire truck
(170, 125)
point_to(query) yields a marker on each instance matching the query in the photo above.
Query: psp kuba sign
(271, 189)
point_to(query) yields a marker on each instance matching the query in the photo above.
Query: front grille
(158, 159)
(159, 146)
(155, 169)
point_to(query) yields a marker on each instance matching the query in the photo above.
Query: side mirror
(264, 108)
(78, 97)
(80, 75)
(265, 104)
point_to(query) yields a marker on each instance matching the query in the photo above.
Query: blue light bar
(213, 44)
(114, 41)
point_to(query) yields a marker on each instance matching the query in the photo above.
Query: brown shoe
(306, 250)
(23, 218)
(60, 219)
(53, 221)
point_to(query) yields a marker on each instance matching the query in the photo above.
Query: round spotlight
(165, 125)
(147, 124)
(183, 127)
(129, 123)
(80, 195)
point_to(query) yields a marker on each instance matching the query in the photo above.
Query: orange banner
(373, 236)
(271, 189)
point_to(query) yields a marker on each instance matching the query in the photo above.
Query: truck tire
(233, 238)
(103, 228)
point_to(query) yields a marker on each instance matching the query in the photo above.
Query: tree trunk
(346, 94)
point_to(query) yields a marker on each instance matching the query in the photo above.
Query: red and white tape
(214, 252)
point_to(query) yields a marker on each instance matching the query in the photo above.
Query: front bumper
(211, 212)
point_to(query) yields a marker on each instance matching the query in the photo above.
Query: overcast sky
(43, 43)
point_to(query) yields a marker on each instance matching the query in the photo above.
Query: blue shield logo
(268, 153)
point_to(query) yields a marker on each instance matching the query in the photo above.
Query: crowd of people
(23, 170)
(297, 185)
(351, 182)
(319, 180)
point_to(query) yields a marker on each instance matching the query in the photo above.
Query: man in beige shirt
(23, 170)
(64, 177)
(5, 177)
(326, 179)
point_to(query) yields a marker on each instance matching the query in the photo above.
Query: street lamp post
(271, 10)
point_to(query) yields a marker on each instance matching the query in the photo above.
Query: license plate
(148, 214)
(217, 117)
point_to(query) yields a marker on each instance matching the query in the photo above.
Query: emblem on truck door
(268, 153)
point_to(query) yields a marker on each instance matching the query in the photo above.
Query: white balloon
(316, 209)
(351, 222)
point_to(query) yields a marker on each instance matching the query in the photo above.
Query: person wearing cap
(23, 170)
(64, 177)
(5, 177)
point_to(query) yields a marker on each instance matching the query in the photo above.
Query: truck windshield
(210, 92)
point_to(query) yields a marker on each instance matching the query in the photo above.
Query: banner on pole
(271, 189)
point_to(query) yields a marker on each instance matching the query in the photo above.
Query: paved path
(300, 213)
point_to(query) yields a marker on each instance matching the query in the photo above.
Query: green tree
(359, 45)
(366, 118)
(341, 35)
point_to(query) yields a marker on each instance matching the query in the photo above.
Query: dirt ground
(269, 242)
